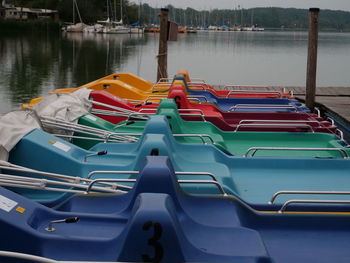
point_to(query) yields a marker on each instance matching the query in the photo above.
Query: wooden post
(162, 71)
(312, 58)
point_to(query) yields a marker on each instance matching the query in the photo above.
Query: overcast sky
(230, 4)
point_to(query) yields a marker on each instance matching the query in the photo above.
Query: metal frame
(340, 133)
(275, 195)
(221, 189)
(232, 86)
(155, 97)
(273, 125)
(67, 178)
(262, 106)
(115, 114)
(201, 136)
(70, 127)
(248, 92)
(110, 106)
(281, 121)
(37, 259)
(42, 184)
(255, 149)
(318, 112)
(110, 172)
(196, 97)
(201, 114)
(334, 202)
(198, 173)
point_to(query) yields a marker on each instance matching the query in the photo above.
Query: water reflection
(32, 65)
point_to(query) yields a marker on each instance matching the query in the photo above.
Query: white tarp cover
(65, 106)
(13, 126)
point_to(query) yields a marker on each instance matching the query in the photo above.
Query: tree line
(269, 17)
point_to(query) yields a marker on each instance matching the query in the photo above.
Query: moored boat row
(173, 171)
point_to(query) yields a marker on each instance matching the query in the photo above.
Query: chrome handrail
(232, 86)
(156, 98)
(179, 181)
(255, 149)
(318, 112)
(29, 257)
(106, 139)
(340, 133)
(115, 114)
(37, 259)
(198, 173)
(261, 106)
(110, 172)
(192, 97)
(110, 106)
(67, 126)
(273, 125)
(331, 120)
(150, 109)
(234, 108)
(247, 92)
(281, 121)
(134, 101)
(275, 195)
(334, 202)
(104, 180)
(42, 184)
(201, 136)
(137, 172)
(73, 179)
(204, 182)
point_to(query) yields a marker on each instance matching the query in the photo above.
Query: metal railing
(66, 178)
(255, 149)
(250, 92)
(97, 181)
(51, 123)
(201, 136)
(37, 259)
(282, 121)
(279, 193)
(333, 202)
(262, 106)
(274, 125)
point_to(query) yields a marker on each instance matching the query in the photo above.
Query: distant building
(24, 13)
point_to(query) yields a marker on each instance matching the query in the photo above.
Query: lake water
(32, 65)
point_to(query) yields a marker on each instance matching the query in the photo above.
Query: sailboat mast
(76, 5)
(115, 10)
(139, 11)
(107, 10)
(73, 2)
(121, 11)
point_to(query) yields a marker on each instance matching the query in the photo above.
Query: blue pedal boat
(251, 179)
(156, 222)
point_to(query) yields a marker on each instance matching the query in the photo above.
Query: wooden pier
(335, 100)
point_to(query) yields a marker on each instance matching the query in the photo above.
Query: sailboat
(137, 28)
(79, 27)
(117, 27)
